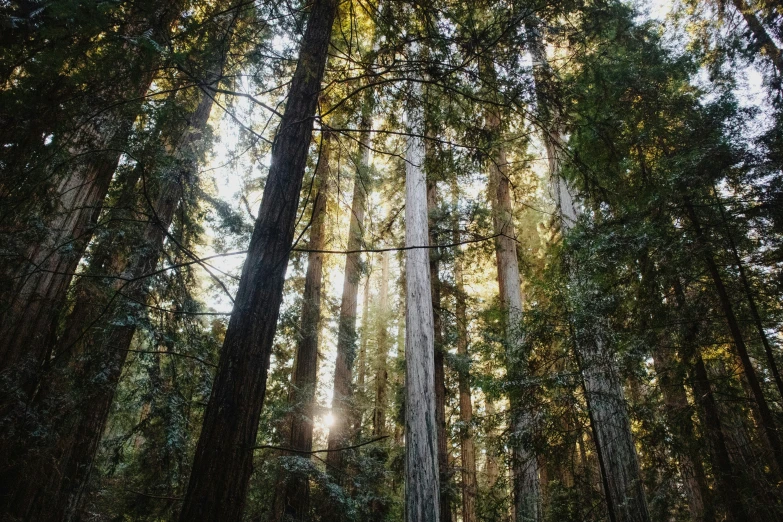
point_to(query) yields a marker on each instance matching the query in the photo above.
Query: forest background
(385, 260)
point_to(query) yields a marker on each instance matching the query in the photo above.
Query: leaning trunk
(45, 269)
(224, 457)
(75, 398)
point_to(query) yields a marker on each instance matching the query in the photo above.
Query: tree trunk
(467, 445)
(303, 383)
(43, 274)
(527, 495)
(765, 415)
(381, 373)
(74, 399)
(224, 454)
(754, 312)
(422, 484)
(342, 398)
(685, 446)
(440, 370)
(604, 393)
(722, 469)
(760, 34)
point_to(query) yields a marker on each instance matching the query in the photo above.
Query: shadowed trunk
(467, 445)
(342, 398)
(74, 399)
(767, 45)
(305, 372)
(41, 274)
(765, 415)
(381, 373)
(224, 454)
(440, 370)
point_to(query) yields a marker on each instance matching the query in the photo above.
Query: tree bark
(685, 446)
(305, 372)
(342, 398)
(422, 484)
(39, 278)
(73, 401)
(440, 370)
(467, 445)
(609, 415)
(223, 460)
(381, 373)
(527, 494)
(765, 415)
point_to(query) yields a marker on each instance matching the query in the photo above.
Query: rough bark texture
(440, 370)
(305, 372)
(422, 484)
(609, 415)
(679, 415)
(765, 415)
(223, 461)
(381, 373)
(726, 493)
(42, 276)
(73, 401)
(342, 397)
(467, 445)
(527, 495)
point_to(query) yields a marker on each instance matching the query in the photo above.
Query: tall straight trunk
(763, 40)
(765, 415)
(342, 397)
(43, 274)
(525, 476)
(609, 415)
(75, 397)
(491, 468)
(422, 481)
(685, 445)
(224, 454)
(754, 312)
(467, 445)
(305, 372)
(722, 469)
(381, 373)
(361, 374)
(440, 370)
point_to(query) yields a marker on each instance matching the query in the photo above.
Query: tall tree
(303, 381)
(223, 461)
(422, 484)
(43, 268)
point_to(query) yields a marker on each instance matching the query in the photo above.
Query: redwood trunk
(765, 415)
(342, 397)
(303, 383)
(440, 370)
(422, 484)
(42, 277)
(381, 374)
(467, 445)
(224, 454)
(75, 398)
(525, 476)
